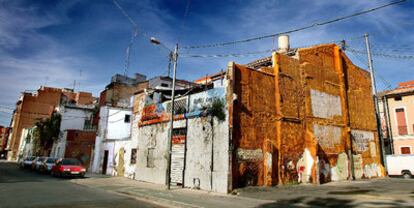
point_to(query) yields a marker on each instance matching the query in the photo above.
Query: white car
(47, 165)
(37, 162)
(27, 162)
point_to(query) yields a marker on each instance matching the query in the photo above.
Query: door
(177, 156)
(105, 162)
(120, 168)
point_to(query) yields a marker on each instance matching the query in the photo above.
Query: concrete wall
(152, 137)
(207, 144)
(207, 158)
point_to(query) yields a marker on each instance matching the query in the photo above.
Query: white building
(73, 117)
(113, 145)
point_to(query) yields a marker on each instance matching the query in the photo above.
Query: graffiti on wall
(328, 136)
(201, 101)
(361, 140)
(325, 105)
(358, 170)
(304, 167)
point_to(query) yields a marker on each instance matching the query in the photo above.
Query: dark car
(68, 167)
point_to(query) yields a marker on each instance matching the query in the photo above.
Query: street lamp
(174, 57)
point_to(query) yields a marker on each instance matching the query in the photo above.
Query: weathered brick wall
(253, 124)
(80, 145)
(298, 122)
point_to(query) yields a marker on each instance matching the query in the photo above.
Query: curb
(145, 198)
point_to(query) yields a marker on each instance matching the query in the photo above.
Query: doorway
(105, 162)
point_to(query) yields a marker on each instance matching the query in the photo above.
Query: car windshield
(30, 158)
(41, 159)
(51, 160)
(70, 162)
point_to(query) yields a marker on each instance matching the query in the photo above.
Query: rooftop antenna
(133, 36)
(46, 79)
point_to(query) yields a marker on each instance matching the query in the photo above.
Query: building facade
(398, 118)
(33, 107)
(73, 117)
(306, 116)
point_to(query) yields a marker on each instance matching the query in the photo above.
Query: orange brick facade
(303, 120)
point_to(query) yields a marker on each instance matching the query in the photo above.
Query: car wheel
(406, 175)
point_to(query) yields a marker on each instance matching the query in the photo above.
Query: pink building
(398, 115)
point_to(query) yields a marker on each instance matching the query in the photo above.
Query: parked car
(47, 165)
(68, 167)
(27, 162)
(400, 165)
(37, 162)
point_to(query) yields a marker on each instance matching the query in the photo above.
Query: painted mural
(201, 102)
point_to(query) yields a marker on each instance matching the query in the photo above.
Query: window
(405, 150)
(401, 121)
(399, 98)
(150, 158)
(133, 156)
(127, 118)
(164, 85)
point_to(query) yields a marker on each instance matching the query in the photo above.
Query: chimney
(283, 43)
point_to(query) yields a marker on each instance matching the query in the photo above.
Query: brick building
(4, 135)
(31, 107)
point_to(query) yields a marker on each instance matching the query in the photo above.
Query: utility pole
(174, 58)
(374, 92)
(170, 56)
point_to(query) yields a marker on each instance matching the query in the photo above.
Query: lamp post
(174, 57)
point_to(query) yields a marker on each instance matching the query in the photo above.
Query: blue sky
(57, 41)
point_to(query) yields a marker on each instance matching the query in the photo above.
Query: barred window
(133, 156)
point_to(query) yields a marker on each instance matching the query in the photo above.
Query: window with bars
(133, 156)
(180, 106)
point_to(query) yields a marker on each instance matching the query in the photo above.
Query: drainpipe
(212, 151)
(388, 123)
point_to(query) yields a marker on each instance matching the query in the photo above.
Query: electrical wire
(295, 30)
(394, 56)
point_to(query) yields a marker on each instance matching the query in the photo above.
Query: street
(26, 188)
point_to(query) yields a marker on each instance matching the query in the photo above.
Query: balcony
(402, 130)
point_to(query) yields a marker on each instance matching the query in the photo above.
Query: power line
(395, 56)
(295, 30)
(253, 53)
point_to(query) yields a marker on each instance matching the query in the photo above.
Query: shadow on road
(330, 202)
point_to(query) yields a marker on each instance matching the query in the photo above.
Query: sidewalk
(366, 193)
(176, 197)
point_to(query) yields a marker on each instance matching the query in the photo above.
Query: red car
(68, 167)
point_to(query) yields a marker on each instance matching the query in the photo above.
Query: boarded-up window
(401, 122)
(150, 158)
(405, 150)
(133, 156)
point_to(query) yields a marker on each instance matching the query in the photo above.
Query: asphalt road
(26, 188)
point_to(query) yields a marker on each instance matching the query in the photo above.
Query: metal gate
(177, 155)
